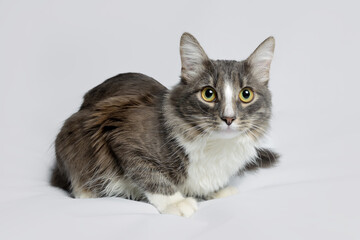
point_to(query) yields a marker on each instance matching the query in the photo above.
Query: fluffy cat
(134, 138)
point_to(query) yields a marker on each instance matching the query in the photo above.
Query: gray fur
(123, 141)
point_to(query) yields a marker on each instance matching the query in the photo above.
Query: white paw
(225, 192)
(83, 194)
(185, 207)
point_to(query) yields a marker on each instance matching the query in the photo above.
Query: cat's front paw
(225, 192)
(185, 207)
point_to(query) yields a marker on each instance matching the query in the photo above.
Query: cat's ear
(260, 60)
(193, 57)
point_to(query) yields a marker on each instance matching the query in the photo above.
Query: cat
(134, 138)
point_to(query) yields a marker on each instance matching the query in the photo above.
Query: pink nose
(228, 120)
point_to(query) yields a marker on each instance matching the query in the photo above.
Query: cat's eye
(246, 95)
(208, 94)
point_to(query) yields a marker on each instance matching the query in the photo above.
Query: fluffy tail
(266, 158)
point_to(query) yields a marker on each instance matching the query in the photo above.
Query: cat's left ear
(260, 60)
(193, 57)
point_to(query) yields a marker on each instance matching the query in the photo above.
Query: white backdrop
(52, 52)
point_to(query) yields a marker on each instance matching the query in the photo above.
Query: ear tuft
(192, 55)
(260, 60)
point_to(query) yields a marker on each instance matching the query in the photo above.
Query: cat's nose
(228, 120)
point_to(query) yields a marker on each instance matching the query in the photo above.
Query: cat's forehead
(229, 73)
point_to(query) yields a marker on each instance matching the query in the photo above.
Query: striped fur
(134, 138)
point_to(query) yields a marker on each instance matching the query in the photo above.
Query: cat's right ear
(193, 57)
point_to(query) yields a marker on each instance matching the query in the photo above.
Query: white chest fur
(214, 162)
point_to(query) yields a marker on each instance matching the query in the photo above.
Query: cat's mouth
(227, 132)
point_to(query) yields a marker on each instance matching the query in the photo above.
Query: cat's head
(222, 98)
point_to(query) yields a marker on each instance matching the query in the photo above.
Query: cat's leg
(174, 204)
(224, 192)
(159, 190)
(164, 195)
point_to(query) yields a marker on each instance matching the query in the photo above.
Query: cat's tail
(266, 158)
(59, 179)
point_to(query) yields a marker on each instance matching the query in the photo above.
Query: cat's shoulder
(129, 84)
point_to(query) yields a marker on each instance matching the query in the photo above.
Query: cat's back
(125, 84)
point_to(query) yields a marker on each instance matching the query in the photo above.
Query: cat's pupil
(209, 93)
(246, 94)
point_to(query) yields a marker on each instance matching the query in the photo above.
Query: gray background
(52, 52)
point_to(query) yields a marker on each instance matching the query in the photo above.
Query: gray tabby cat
(134, 138)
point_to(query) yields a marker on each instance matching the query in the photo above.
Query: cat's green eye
(208, 94)
(246, 95)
